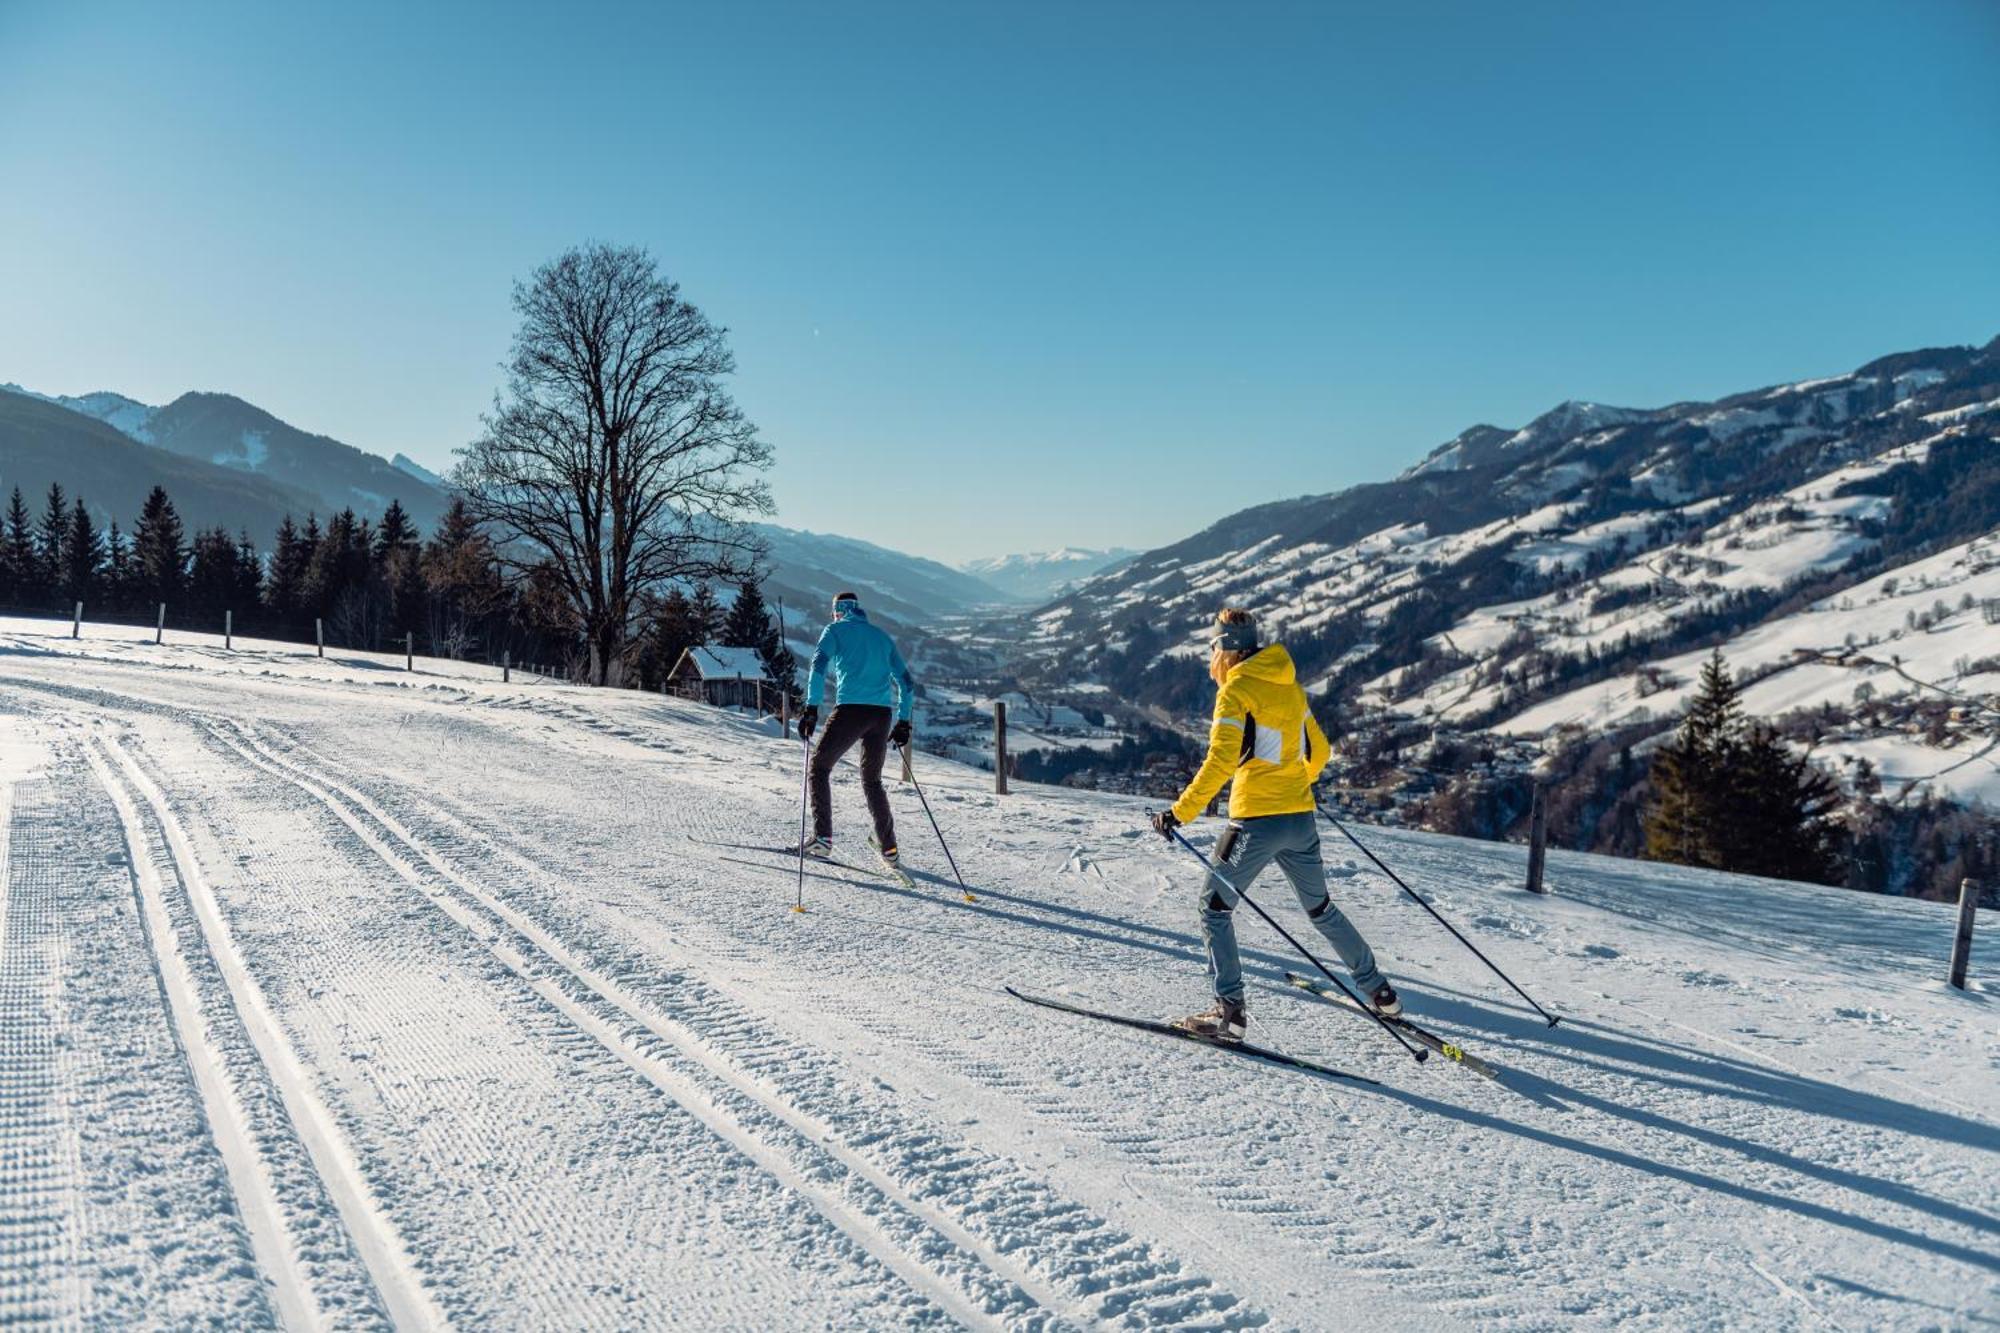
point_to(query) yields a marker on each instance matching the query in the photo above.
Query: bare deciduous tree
(614, 456)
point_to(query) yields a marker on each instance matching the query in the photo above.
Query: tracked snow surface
(342, 997)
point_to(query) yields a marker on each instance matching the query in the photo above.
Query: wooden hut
(725, 677)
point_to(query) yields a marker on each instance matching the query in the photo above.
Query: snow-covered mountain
(1036, 576)
(44, 442)
(224, 430)
(1538, 586)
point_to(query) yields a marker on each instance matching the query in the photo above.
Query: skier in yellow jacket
(1264, 736)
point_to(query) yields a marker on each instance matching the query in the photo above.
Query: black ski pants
(869, 724)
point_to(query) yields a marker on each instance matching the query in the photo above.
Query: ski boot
(1387, 1003)
(892, 865)
(1225, 1020)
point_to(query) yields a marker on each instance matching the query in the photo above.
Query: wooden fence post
(229, 629)
(785, 713)
(409, 650)
(1538, 838)
(506, 666)
(76, 626)
(1961, 942)
(160, 627)
(319, 635)
(760, 697)
(999, 747)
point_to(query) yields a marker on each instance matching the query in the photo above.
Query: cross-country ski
(1186, 1033)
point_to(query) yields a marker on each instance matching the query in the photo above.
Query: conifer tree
(51, 537)
(81, 555)
(398, 557)
(1734, 797)
(707, 615)
(117, 576)
(249, 594)
(212, 578)
(748, 624)
(159, 551)
(285, 587)
(396, 533)
(17, 554)
(671, 630)
(464, 596)
(1783, 809)
(1686, 824)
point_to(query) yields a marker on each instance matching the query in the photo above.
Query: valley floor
(335, 996)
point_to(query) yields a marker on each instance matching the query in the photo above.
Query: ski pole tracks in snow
(1018, 1253)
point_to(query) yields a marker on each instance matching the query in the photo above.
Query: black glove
(808, 719)
(1164, 824)
(899, 735)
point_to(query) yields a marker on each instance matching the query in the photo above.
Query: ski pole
(1553, 1020)
(934, 827)
(1417, 1051)
(805, 780)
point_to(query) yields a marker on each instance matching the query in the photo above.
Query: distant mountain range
(230, 463)
(42, 442)
(1544, 585)
(228, 433)
(1040, 575)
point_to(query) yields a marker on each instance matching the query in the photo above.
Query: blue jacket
(863, 664)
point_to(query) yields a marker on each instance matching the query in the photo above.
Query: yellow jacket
(1265, 737)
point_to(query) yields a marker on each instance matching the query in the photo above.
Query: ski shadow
(1599, 1047)
(1859, 1223)
(1588, 1045)
(1618, 1055)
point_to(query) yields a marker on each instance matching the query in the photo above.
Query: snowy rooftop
(727, 663)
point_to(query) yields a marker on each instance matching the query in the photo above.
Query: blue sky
(1007, 277)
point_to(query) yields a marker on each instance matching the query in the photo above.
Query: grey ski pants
(1244, 850)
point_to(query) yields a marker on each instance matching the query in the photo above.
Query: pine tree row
(367, 584)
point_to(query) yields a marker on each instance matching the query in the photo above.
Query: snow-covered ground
(337, 995)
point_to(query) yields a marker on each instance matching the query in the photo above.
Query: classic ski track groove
(561, 1031)
(387, 1258)
(1200, 1175)
(759, 1063)
(916, 1248)
(229, 1124)
(1107, 1274)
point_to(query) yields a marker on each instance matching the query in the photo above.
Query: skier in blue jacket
(868, 677)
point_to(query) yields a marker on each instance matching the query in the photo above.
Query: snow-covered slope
(344, 995)
(1565, 575)
(127, 416)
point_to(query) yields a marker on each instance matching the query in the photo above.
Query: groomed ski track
(468, 1024)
